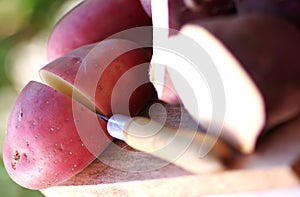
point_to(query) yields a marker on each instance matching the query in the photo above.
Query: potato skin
(43, 144)
(93, 21)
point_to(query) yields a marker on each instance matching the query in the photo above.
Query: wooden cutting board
(122, 171)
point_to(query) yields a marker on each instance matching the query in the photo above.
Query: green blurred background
(25, 26)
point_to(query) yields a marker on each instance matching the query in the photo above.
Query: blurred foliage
(20, 20)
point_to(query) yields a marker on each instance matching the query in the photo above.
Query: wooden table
(274, 167)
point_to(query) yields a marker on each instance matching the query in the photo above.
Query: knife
(181, 147)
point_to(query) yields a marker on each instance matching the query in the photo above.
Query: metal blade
(103, 117)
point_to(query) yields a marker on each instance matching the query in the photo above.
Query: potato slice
(257, 59)
(98, 74)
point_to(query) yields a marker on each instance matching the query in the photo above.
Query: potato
(267, 48)
(53, 132)
(95, 78)
(42, 145)
(93, 21)
(289, 9)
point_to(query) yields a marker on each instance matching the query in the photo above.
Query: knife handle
(194, 151)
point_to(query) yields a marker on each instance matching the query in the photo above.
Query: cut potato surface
(241, 102)
(61, 73)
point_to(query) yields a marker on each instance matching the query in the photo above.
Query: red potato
(289, 9)
(267, 47)
(96, 73)
(42, 146)
(54, 133)
(93, 21)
